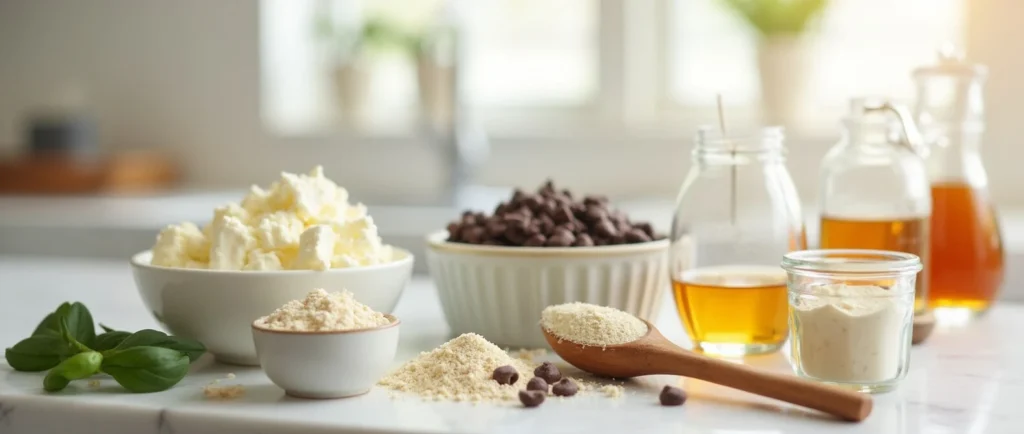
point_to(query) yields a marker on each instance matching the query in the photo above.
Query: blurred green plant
(778, 17)
(377, 35)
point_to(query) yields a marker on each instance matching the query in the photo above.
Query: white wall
(183, 76)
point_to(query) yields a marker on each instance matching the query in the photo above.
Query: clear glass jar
(851, 316)
(874, 191)
(736, 214)
(965, 271)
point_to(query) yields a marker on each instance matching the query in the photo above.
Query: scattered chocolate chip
(605, 228)
(537, 383)
(472, 234)
(561, 240)
(549, 372)
(566, 387)
(534, 202)
(518, 195)
(496, 228)
(637, 236)
(536, 240)
(584, 240)
(550, 207)
(505, 375)
(531, 398)
(595, 200)
(562, 215)
(595, 213)
(672, 396)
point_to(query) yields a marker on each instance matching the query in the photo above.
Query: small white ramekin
(498, 292)
(333, 364)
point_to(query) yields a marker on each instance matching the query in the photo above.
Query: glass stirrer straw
(732, 168)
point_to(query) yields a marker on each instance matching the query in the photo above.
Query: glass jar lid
(851, 262)
(951, 63)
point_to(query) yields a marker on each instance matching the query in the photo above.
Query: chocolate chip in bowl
(496, 271)
(550, 218)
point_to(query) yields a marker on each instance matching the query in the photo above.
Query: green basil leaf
(106, 329)
(69, 340)
(79, 321)
(155, 338)
(37, 353)
(146, 369)
(109, 340)
(79, 366)
(53, 381)
(51, 323)
(76, 367)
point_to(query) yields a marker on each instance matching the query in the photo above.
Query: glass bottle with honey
(966, 269)
(736, 214)
(874, 191)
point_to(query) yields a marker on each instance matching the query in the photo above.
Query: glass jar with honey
(874, 191)
(737, 213)
(966, 269)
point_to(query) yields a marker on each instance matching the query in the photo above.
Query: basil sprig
(65, 343)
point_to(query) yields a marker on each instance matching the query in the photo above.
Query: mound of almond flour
(459, 370)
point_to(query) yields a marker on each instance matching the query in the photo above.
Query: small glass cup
(851, 316)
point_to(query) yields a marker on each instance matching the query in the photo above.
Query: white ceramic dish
(326, 364)
(499, 291)
(218, 307)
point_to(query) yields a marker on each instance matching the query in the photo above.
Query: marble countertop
(966, 379)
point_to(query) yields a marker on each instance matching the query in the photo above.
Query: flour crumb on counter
(94, 383)
(612, 391)
(214, 391)
(529, 354)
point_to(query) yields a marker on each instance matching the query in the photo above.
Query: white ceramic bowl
(326, 364)
(218, 307)
(498, 292)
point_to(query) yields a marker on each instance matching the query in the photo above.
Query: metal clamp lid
(912, 136)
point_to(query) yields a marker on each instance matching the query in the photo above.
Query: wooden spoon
(653, 354)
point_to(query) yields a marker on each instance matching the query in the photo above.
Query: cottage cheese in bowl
(301, 232)
(301, 222)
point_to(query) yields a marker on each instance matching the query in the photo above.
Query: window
(517, 53)
(615, 64)
(531, 52)
(862, 48)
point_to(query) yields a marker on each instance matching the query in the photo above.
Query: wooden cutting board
(115, 173)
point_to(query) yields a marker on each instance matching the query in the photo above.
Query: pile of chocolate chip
(550, 218)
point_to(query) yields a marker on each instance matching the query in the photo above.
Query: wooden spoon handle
(834, 400)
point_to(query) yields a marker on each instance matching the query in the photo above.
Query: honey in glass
(967, 256)
(738, 307)
(899, 234)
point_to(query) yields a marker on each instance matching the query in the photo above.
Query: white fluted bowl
(498, 292)
(217, 307)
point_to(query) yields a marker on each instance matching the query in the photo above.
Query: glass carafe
(874, 191)
(966, 269)
(737, 213)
